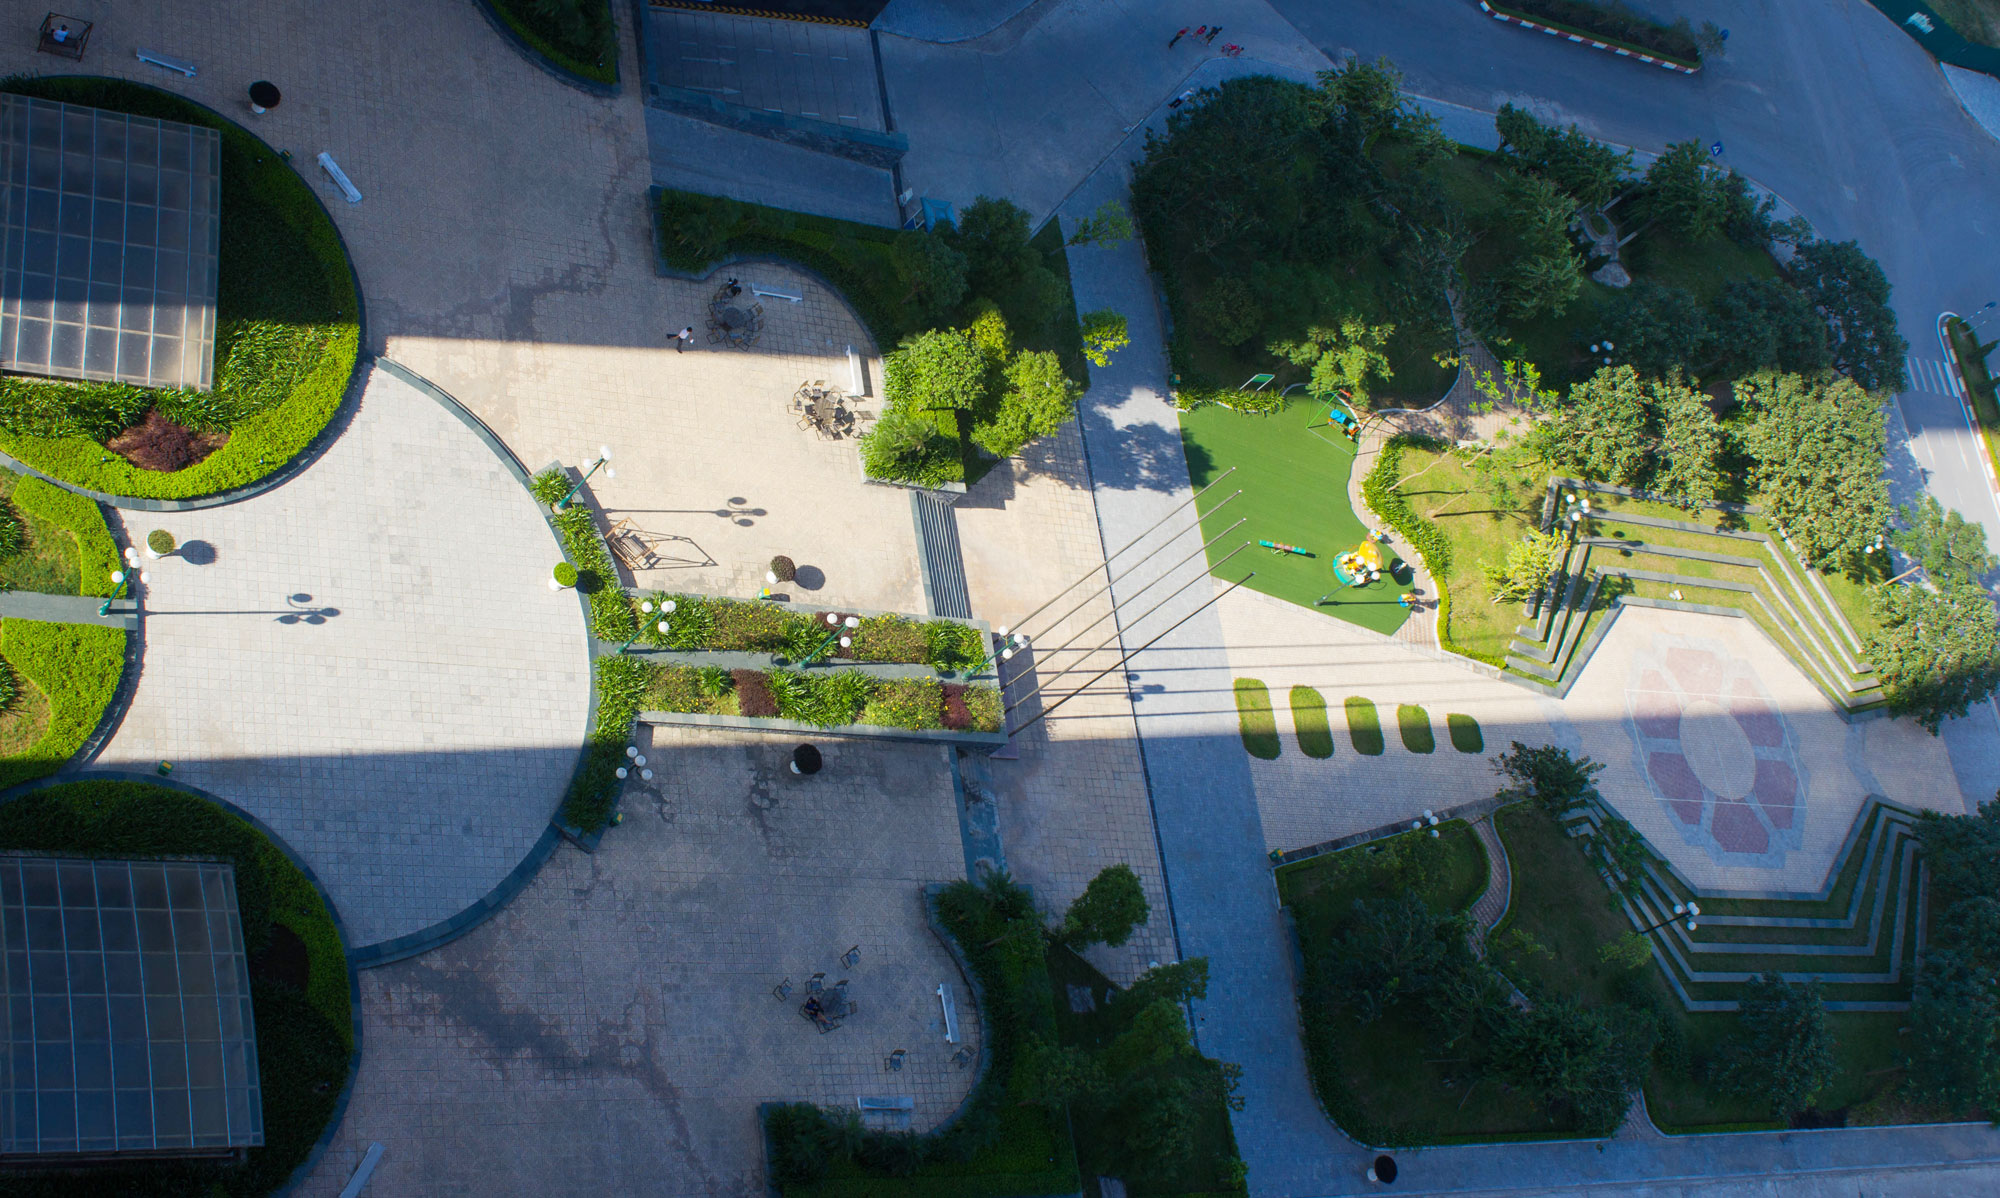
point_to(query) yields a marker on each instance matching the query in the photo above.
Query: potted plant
(565, 576)
(158, 542)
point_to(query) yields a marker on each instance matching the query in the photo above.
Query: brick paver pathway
(613, 1029)
(1492, 904)
(369, 659)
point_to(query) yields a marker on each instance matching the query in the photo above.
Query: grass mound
(1415, 725)
(76, 666)
(1465, 734)
(1364, 726)
(1309, 722)
(1255, 720)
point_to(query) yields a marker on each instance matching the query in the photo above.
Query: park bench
(950, 1013)
(339, 177)
(166, 60)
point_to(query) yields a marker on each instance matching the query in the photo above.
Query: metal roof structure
(126, 995)
(110, 226)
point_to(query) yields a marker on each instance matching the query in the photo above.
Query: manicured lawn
(1465, 734)
(1294, 483)
(1255, 720)
(1414, 723)
(1309, 722)
(1364, 726)
(1480, 515)
(76, 667)
(304, 1035)
(286, 331)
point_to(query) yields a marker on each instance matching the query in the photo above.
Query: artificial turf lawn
(1294, 483)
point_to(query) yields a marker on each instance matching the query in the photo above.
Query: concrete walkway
(368, 658)
(66, 609)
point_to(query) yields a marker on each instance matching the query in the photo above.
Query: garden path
(368, 659)
(1491, 905)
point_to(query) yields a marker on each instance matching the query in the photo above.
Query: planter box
(1622, 49)
(977, 742)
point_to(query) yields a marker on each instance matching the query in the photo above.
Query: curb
(1587, 40)
(1957, 378)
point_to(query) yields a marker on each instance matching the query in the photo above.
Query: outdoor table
(733, 318)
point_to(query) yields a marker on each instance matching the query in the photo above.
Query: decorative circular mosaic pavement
(1716, 751)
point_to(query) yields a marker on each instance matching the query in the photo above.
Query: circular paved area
(370, 660)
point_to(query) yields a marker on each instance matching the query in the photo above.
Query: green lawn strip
(286, 332)
(999, 1147)
(47, 562)
(1309, 722)
(91, 552)
(578, 35)
(1101, 1146)
(1294, 483)
(1414, 723)
(1465, 734)
(1364, 726)
(1392, 1081)
(77, 666)
(1478, 525)
(303, 1040)
(1255, 720)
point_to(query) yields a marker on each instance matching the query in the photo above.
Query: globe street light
(603, 456)
(1685, 911)
(833, 619)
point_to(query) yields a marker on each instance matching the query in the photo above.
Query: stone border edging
(306, 1167)
(549, 66)
(387, 952)
(1464, 811)
(1622, 49)
(336, 421)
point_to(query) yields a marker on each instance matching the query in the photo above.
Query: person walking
(1200, 29)
(1177, 37)
(682, 338)
(1210, 39)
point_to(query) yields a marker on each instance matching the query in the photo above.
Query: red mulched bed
(157, 443)
(956, 716)
(753, 695)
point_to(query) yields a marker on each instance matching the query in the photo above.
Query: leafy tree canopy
(1943, 542)
(1549, 776)
(933, 371)
(1690, 451)
(1658, 329)
(1585, 169)
(1766, 324)
(1684, 193)
(1603, 427)
(1818, 445)
(1395, 949)
(1938, 652)
(1546, 273)
(1107, 910)
(1852, 293)
(1782, 1053)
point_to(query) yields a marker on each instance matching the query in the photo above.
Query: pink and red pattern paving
(1716, 751)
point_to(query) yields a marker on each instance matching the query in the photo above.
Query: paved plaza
(369, 659)
(613, 1029)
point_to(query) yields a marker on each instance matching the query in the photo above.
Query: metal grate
(937, 546)
(127, 1006)
(109, 231)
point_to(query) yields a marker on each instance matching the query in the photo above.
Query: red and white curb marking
(1621, 51)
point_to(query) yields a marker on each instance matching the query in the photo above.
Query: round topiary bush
(783, 568)
(565, 574)
(160, 541)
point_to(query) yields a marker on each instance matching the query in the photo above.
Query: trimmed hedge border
(267, 447)
(598, 81)
(1378, 491)
(97, 552)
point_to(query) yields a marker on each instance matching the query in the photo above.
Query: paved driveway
(613, 1030)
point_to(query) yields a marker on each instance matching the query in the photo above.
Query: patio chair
(64, 37)
(783, 990)
(631, 546)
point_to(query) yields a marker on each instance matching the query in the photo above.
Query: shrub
(549, 486)
(949, 645)
(908, 446)
(286, 338)
(1037, 400)
(565, 574)
(77, 666)
(753, 694)
(747, 627)
(10, 687)
(1309, 722)
(692, 624)
(579, 36)
(907, 703)
(611, 614)
(941, 369)
(983, 707)
(676, 688)
(621, 687)
(1612, 20)
(783, 568)
(890, 638)
(1364, 727)
(828, 700)
(160, 541)
(1254, 720)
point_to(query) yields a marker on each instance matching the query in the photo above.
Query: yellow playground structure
(1361, 565)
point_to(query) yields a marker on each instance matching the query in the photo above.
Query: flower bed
(717, 624)
(825, 698)
(287, 330)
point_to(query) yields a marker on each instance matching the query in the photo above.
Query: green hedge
(1364, 726)
(716, 623)
(286, 327)
(97, 553)
(621, 686)
(828, 698)
(612, 617)
(303, 1040)
(77, 666)
(582, 39)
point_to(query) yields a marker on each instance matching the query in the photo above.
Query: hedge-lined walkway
(369, 659)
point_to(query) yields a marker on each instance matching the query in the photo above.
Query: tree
(1685, 193)
(988, 330)
(1036, 399)
(932, 272)
(1548, 775)
(1962, 852)
(1546, 273)
(1937, 652)
(1603, 428)
(1769, 325)
(1054, 1075)
(1954, 1032)
(1659, 330)
(1393, 949)
(1573, 1059)
(1363, 101)
(1629, 951)
(1104, 333)
(1108, 226)
(1107, 910)
(1946, 544)
(1818, 446)
(1229, 310)
(1352, 355)
(935, 371)
(1851, 292)
(1179, 982)
(1781, 1053)
(1529, 564)
(1585, 169)
(906, 446)
(1690, 453)
(993, 236)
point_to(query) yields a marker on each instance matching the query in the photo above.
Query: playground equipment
(1280, 548)
(1360, 565)
(1336, 415)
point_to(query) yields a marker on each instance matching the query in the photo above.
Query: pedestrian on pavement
(1200, 29)
(682, 338)
(1210, 39)
(1177, 37)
